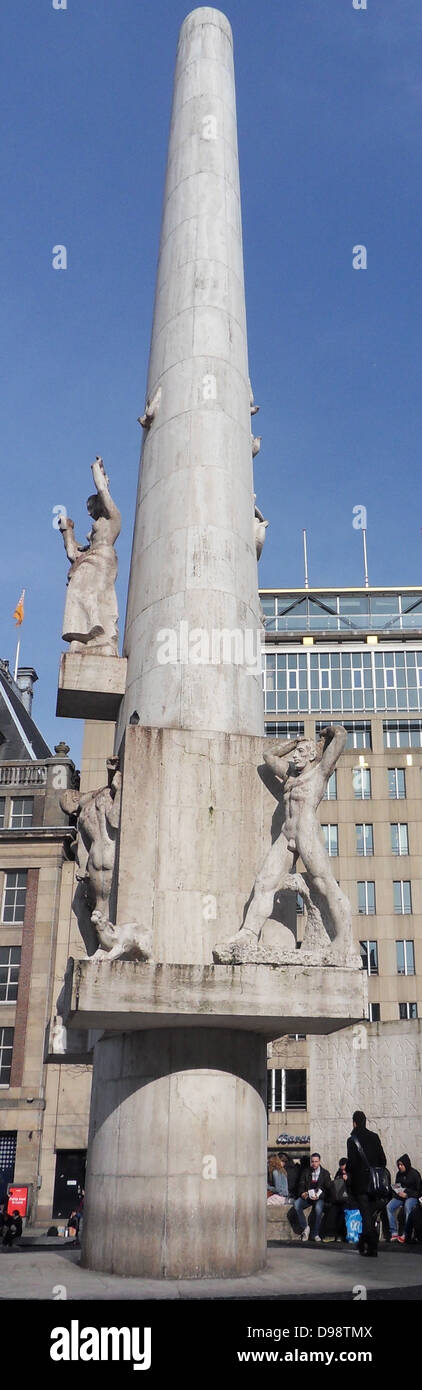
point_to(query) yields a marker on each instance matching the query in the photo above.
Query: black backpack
(379, 1181)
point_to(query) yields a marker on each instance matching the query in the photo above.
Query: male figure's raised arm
(335, 737)
(278, 760)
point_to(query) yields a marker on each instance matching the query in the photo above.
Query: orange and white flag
(19, 610)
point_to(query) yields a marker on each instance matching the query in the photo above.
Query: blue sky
(329, 112)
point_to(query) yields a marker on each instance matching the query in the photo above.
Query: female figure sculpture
(90, 618)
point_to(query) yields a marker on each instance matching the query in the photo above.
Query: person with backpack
(406, 1192)
(369, 1179)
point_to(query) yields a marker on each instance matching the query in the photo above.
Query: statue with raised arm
(90, 618)
(297, 774)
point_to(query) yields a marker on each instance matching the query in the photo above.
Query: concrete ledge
(267, 999)
(90, 687)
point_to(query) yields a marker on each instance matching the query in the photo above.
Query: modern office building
(354, 656)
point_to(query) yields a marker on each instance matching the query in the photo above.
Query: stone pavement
(293, 1272)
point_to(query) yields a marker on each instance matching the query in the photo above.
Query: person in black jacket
(408, 1186)
(315, 1189)
(13, 1228)
(373, 1156)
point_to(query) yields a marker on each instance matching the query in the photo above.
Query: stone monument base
(90, 687)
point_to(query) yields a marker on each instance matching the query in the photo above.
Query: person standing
(364, 1151)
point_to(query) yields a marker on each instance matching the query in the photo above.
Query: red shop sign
(17, 1200)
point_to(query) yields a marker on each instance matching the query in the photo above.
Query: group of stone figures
(296, 772)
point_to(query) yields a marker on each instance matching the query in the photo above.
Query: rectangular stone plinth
(267, 999)
(90, 687)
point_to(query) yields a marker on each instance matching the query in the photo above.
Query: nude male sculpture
(300, 769)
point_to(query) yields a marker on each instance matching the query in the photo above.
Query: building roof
(19, 736)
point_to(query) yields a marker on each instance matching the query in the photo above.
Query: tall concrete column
(193, 558)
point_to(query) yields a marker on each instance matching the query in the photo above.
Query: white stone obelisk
(194, 567)
(177, 1156)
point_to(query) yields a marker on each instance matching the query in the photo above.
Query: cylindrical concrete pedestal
(176, 1180)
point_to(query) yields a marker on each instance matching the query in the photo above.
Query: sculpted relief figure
(298, 772)
(90, 618)
(98, 815)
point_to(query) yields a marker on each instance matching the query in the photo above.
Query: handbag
(379, 1178)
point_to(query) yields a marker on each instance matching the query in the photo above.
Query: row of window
(405, 957)
(366, 901)
(365, 838)
(350, 681)
(397, 733)
(21, 813)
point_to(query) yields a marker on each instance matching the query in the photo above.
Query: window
(330, 833)
(369, 953)
(8, 1139)
(405, 957)
(374, 1013)
(324, 679)
(402, 894)
(399, 839)
(359, 733)
(22, 812)
(330, 793)
(2, 810)
(286, 1089)
(408, 1011)
(292, 680)
(362, 783)
(403, 733)
(364, 839)
(296, 1037)
(6, 1050)
(9, 973)
(397, 783)
(282, 731)
(366, 898)
(14, 896)
(299, 904)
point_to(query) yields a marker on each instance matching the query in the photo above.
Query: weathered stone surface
(90, 687)
(374, 1067)
(167, 1156)
(268, 999)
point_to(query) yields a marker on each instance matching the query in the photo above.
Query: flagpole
(17, 658)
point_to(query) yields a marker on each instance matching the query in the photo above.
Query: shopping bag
(353, 1221)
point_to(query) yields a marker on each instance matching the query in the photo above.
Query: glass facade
(343, 681)
(353, 611)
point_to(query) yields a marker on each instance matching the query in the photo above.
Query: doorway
(69, 1182)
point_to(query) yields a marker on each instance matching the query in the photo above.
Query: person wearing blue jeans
(315, 1191)
(408, 1186)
